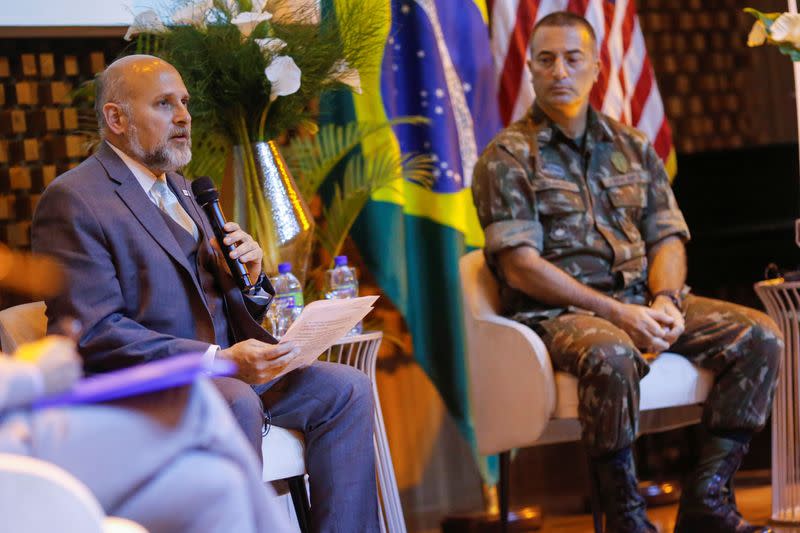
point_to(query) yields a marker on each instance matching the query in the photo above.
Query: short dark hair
(562, 19)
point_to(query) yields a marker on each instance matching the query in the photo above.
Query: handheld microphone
(208, 198)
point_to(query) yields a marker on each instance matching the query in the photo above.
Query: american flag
(626, 89)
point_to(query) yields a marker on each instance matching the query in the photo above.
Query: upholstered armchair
(518, 400)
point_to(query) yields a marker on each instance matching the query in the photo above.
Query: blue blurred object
(158, 375)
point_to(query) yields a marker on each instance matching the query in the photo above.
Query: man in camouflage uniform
(587, 242)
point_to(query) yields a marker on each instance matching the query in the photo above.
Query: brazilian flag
(436, 63)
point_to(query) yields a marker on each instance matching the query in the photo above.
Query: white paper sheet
(322, 323)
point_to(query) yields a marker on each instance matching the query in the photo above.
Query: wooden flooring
(754, 503)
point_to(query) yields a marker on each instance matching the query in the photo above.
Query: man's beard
(162, 157)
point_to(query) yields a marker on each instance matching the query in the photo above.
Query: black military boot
(708, 502)
(615, 481)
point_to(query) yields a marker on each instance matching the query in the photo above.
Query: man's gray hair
(108, 88)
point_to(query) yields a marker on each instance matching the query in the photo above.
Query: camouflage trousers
(741, 346)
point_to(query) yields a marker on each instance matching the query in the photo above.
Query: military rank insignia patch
(619, 161)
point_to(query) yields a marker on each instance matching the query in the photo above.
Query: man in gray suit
(147, 280)
(173, 461)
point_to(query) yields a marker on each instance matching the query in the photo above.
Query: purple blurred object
(173, 371)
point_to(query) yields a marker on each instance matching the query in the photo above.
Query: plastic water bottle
(288, 302)
(342, 282)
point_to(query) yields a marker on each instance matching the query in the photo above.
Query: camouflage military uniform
(593, 211)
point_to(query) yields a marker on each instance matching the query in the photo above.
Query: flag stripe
(626, 87)
(605, 17)
(504, 14)
(643, 90)
(515, 60)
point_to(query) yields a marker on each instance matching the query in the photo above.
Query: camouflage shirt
(592, 210)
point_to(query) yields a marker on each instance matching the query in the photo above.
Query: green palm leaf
(362, 177)
(312, 159)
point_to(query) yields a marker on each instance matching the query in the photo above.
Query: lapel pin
(185, 192)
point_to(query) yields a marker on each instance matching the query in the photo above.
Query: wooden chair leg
(505, 465)
(297, 488)
(597, 512)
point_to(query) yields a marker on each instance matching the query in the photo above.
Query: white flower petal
(192, 14)
(786, 28)
(758, 34)
(145, 22)
(259, 6)
(271, 44)
(342, 72)
(284, 77)
(248, 21)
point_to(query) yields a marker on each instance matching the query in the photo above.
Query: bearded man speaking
(146, 282)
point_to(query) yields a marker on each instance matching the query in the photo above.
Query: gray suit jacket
(129, 283)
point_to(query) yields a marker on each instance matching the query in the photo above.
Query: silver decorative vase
(263, 188)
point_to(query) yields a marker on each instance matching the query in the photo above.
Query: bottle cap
(284, 268)
(340, 260)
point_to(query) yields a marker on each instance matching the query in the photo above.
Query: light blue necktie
(167, 201)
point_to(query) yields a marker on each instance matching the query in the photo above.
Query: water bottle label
(291, 299)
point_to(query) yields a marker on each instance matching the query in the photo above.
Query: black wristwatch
(259, 284)
(260, 280)
(674, 296)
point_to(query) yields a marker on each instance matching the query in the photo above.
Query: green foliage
(362, 177)
(312, 159)
(789, 50)
(224, 75)
(224, 71)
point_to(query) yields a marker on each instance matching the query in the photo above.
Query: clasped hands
(652, 329)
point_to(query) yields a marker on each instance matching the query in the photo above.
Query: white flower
(342, 72)
(271, 44)
(145, 22)
(758, 34)
(296, 12)
(248, 21)
(284, 77)
(193, 13)
(786, 28)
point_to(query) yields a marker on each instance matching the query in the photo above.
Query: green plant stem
(263, 121)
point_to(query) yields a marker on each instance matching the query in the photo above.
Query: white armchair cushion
(284, 454)
(40, 497)
(673, 381)
(515, 395)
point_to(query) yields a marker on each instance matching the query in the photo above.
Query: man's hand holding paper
(321, 324)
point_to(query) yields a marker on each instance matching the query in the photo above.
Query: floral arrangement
(252, 74)
(779, 29)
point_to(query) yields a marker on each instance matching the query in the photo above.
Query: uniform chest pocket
(557, 197)
(562, 209)
(627, 190)
(627, 194)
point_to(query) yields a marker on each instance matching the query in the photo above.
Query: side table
(782, 300)
(361, 352)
